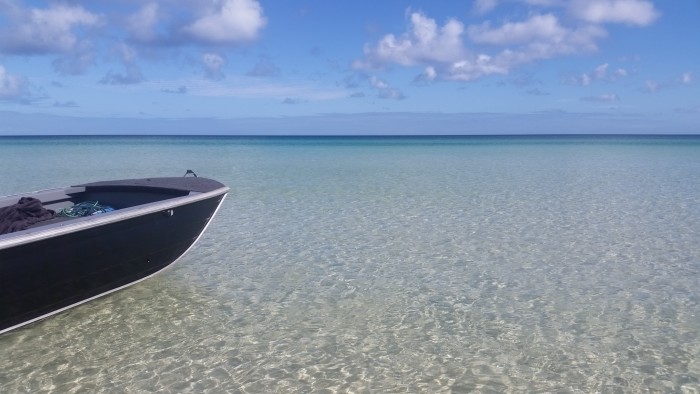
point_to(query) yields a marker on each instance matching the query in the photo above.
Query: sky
(383, 67)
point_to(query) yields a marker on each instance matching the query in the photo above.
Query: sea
(486, 264)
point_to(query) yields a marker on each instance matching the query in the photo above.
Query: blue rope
(85, 208)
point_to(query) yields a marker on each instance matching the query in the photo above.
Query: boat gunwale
(79, 224)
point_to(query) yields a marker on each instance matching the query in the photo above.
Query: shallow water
(512, 264)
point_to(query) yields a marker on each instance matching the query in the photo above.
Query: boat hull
(49, 275)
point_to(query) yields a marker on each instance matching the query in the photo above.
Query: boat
(141, 228)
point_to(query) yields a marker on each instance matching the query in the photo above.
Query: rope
(86, 208)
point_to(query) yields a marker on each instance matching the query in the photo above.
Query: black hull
(49, 275)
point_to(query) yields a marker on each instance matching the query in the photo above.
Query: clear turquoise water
(501, 264)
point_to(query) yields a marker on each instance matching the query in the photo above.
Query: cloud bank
(75, 35)
(455, 52)
(35, 31)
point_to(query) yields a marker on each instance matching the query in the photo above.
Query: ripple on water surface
(399, 268)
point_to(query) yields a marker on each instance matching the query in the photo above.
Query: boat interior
(113, 197)
(107, 196)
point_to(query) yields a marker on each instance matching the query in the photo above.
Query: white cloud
(47, 30)
(632, 12)
(538, 27)
(542, 36)
(424, 42)
(468, 70)
(428, 75)
(442, 49)
(539, 37)
(11, 86)
(230, 22)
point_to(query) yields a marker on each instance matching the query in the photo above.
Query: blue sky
(341, 67)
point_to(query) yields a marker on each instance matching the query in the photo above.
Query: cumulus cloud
(38, 31)
(551, 29)
(213, 64)
(443, 53)
(424, 42)
(228, 22)
(429, 74)
(539, 37)
(468, 70)
(631, 12)
(162, 23)
(538, 27)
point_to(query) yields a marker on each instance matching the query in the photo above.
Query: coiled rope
(85, 208)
